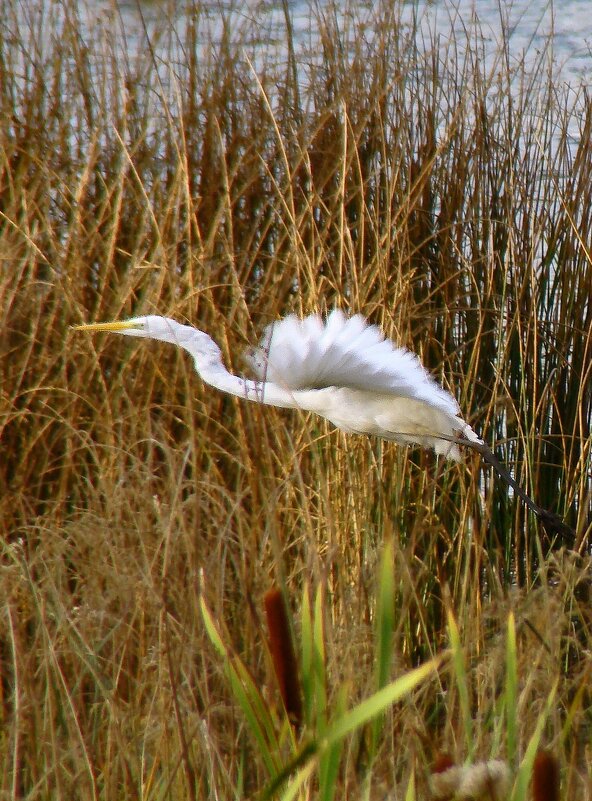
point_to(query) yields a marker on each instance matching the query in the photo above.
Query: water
(529, 25)
(525, 25)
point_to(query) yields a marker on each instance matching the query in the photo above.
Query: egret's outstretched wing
(344, 352)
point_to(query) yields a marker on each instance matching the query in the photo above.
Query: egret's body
(344, 370)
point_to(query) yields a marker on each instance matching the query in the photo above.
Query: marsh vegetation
(448, 201)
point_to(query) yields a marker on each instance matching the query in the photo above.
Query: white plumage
(343, 369)
(345, 352)
(359, 380)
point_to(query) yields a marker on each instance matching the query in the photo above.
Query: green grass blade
(307, 649)
(247, 695)
(385, 623)
(385, 615)
(511, 693)
(329, 759)
(319, 673)
(410, 792)
(460, 675)
(525, 770)
(212, 630)
(353, 720)
(300, 779)
(379, 702)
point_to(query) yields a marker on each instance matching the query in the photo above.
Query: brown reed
(442, 197)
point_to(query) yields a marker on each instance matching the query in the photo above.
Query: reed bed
(444, 194)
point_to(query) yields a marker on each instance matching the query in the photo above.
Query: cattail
(445, 777)
(282, 654)
(545, 777)
(483, 781)
(442, 762)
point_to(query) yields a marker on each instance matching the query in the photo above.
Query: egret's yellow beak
(124, 325)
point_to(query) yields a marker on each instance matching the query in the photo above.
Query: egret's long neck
(208, 363)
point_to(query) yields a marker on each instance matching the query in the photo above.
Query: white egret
(345, 370)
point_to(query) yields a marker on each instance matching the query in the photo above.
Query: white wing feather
(344, 352)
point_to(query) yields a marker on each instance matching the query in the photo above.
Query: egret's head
(150, 327)
(203, 349)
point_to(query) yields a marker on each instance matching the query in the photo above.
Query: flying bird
(343, 369)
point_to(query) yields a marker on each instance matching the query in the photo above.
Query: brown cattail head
(445, 777)
(442, 762)
(545, 777)
(282, 654)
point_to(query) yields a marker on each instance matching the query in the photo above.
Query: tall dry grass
(447, 199)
